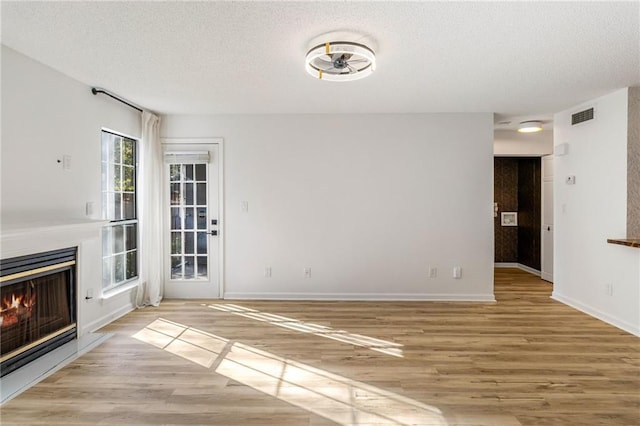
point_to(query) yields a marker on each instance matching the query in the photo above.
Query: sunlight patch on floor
(334, 397)
(378, 345)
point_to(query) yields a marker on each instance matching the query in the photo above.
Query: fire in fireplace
(37, 306)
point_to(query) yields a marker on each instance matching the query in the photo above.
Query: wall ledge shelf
(629, 242)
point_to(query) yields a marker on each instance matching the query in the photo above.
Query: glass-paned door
(192, 225)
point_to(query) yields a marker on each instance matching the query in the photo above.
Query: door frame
(221, 220)
(546, 178)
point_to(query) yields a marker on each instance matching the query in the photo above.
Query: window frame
(111, 186)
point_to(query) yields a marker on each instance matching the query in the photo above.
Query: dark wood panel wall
(517, 188)
(505, 193)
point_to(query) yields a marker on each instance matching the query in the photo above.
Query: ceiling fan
(340, 61)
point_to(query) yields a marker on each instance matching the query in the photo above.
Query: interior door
(191, 220)
(547, 219)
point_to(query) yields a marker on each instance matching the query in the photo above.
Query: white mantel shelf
(23, 237)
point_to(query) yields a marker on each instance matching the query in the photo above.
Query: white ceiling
(521, 60)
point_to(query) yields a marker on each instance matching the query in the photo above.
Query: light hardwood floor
(525, 360)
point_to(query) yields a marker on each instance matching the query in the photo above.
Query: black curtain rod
(96, 90)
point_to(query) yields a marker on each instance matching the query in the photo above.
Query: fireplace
(37, 306)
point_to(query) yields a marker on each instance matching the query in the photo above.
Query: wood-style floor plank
(525, 360)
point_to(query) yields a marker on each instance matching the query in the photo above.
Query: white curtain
(150, 284)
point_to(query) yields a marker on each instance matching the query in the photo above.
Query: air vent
(582, 116)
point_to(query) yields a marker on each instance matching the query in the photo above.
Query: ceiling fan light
(340, 61)
(530, 127)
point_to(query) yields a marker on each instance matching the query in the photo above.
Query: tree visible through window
(120, 236)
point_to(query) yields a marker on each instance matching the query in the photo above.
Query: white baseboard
(596, 313)
(517, 265)
(106, 319)
(547, 276)
(363, 297)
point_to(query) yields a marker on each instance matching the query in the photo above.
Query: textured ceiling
(518, 59)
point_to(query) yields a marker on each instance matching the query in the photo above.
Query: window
(120, 236)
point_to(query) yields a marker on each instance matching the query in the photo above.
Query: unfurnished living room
(320, 213)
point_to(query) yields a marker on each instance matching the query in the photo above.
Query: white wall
(510, 143)
(592, 210)
(46, 115)
(366, 201)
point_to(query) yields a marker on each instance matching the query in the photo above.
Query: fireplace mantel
(23, 237)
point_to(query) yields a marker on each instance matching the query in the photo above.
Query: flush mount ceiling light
(340, 61)
(530, 126)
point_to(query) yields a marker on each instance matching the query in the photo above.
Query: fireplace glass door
(36, 311)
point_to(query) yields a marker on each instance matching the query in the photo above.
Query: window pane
(176, 222)
(202, 218)
(189, 267)
(188, 218)
(188, 242)
(202, 267)
(128, 152)
(117, 141)
(118, 239)
(117, 210)
(118, 268)
(129, 200)
(128, 184)
(117, 178)
(175, 193)
(106, 241)
(202, 194)
(201, 172)
(176, 267)
(202, 243)
(132, 264)
(188, 192)
(131, 240)
(106, 272)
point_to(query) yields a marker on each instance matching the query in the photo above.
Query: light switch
(571, 180)
(244, 206)
(66, 162)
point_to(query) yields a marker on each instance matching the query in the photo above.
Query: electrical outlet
(608, 289)
(267, 271)
(457, 272)
(307, 272)
(433, 272)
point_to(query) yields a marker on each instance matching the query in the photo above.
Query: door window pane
(176, 243)
(188, 242)
(176, 267)
(201, 172)
(202, 218)
(187, 169)
(202, 242)
(188, 192)
(188, 218)
(202, 267)
(201, 198)
(189, 267)
(175, 194)
(176, 220)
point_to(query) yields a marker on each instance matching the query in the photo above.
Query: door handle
(214, 232)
